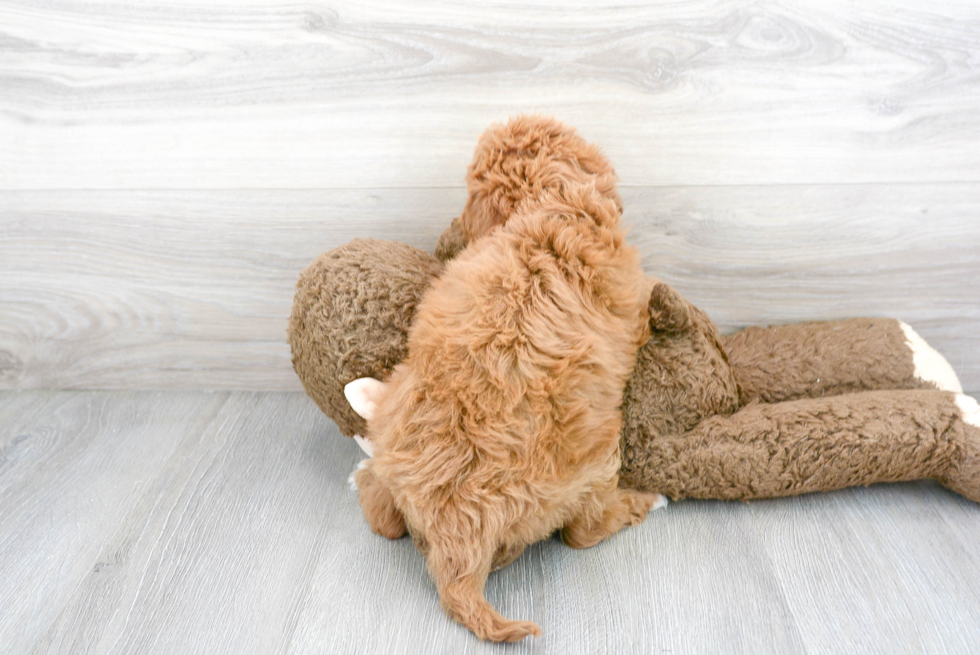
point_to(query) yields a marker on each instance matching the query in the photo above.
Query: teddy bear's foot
(970, 409)
(929, 365)
(964, 475)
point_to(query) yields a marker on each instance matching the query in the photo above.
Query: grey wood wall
(167, 169)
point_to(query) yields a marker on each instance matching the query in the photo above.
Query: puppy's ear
(364, 394)
(668, 310)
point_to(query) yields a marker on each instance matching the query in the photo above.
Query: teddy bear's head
(351, 314)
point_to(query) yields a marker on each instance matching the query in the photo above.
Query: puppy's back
(533, 330)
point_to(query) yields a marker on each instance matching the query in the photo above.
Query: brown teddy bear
(762, 413)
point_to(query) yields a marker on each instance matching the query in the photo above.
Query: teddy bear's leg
(801, 446)
(814, 360)
(606, 511)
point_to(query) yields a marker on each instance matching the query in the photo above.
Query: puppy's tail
(460, 569)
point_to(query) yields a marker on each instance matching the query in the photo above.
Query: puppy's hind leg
(378, 504)
(606, 511)
(506, 554)
(460, 568)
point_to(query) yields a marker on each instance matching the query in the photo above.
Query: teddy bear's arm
(813, 360)
(795, 447)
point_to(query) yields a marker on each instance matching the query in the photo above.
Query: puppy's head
(521, 160)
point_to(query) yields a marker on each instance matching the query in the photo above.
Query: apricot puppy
(519, 161)
(502, 424)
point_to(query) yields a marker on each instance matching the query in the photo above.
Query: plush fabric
(351, 314)
(813, 360)
(689, 433)
(800, 446)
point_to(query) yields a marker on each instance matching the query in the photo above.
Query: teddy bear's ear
(364, 394)
(668, 310)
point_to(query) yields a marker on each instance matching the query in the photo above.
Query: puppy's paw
(641, 503)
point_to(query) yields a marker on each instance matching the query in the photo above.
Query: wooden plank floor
(191, 522)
